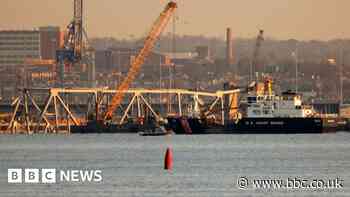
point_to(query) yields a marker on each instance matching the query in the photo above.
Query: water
(206, 165)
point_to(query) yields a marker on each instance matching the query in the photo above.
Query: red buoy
(168, 160)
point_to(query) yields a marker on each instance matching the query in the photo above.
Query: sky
(281, 19)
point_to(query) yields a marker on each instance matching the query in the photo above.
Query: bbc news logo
(51, 176)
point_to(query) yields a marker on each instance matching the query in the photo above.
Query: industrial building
(119, 59)
(203, 52)
(18, 45)
(49, 42)
(27, 58)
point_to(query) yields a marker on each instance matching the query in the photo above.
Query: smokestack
(61, 41)
(229, 48)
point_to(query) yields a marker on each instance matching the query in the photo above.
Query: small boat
(158, 131)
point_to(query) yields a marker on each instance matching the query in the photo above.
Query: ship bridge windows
(251, 99)
(288, 98)
(257, 112)
(266, 112)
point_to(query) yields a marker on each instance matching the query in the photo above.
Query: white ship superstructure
(264, 103)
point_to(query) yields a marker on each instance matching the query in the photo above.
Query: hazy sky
(281, 19)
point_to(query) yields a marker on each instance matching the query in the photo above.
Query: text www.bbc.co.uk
(290, 184)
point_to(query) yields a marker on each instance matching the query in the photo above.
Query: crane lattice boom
(153, 35)
(78, 26)
(71, 48)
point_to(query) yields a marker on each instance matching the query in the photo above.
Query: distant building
(18, 45)
(49, 42)
(326, 108)
(103, 60)
(181, 55)
(344, 111)
(203, 52)
(119, 59)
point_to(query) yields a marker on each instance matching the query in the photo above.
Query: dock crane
(135, 67)
(70, 51)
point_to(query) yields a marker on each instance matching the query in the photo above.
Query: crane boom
(153, 35)
(78, 26)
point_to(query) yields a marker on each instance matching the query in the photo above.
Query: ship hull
(277, 125)
(95, 128)
(194, 126)
(183, 125)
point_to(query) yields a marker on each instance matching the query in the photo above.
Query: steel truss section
(56, 114)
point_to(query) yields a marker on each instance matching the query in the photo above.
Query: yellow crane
(135, 67)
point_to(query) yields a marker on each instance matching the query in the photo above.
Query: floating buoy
(168, 160)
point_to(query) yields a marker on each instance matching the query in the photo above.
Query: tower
(229, 48)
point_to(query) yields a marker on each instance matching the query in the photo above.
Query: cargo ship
(278, 114)
(265, 113)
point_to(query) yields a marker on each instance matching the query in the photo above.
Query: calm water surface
(206, 165)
